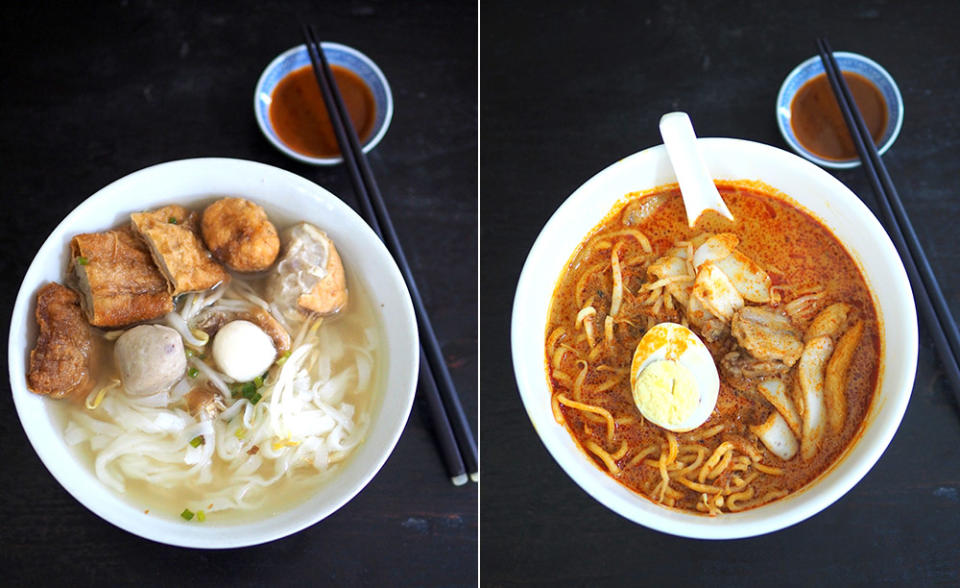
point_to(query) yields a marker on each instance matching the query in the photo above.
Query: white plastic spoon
(696, 186)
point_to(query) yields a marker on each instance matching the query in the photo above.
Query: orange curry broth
(794, 249)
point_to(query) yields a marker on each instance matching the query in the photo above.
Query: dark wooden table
(92, 92)
(567, 91)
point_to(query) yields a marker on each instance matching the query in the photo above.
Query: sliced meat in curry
(60, 364)
(120, 283)
(172, 234)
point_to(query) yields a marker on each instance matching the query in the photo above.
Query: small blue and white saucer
(337, 54)
(847, 62)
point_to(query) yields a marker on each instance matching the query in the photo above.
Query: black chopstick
(438, 386)
(932, 304)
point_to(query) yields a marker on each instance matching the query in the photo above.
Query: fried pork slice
(60, 363)
(120, 283)
(172, 234)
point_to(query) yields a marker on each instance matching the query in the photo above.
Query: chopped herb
(193, 372)
(197, 441)
(82, 260)
(283, 358)
(201, 516)
(189, 352)
(172, 220)
(258, 381)
(186, 514)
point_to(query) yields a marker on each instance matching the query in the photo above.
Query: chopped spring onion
(240, 433)
(187, 514)
(201, 516)
(197, 441)
(283, 358)
(193, 372)
(248, 390)
(92, 402)
(258, 381)
(172, 220)
(82, 260)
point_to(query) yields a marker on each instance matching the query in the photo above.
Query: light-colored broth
(349, 328)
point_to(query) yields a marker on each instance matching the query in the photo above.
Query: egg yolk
(666, 393)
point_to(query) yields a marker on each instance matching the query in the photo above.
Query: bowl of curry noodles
(800, 307)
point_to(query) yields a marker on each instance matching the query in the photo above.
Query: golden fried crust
(239, 234)
(171, 233)
(60, 363)
(119, 280)
(328, 295)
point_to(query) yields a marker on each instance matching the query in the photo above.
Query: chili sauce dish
(810, 119)
(290, 110)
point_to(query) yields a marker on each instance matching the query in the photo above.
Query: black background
(567, 91)
(90, 92)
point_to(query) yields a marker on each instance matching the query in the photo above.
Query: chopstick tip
(475, 477)
(459, 480)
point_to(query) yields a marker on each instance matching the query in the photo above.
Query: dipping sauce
(818, 123)
(299, 115)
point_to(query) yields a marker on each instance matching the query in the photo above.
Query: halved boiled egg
(673, 378)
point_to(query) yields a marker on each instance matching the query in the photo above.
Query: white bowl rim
(372, 142)
(232, 534)
(832, 163)
(808, 501)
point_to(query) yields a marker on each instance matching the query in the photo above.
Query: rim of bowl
(263, 117)
(782, 111)
(881, 422)
(86, 488)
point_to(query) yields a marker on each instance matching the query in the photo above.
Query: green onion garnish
(186, 514)
(193, 372)
(200, 516)
(258, 381)
(283, 358)
(83, 260)
(172, 220)
(197, 441)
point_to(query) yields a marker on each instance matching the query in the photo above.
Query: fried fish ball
(240, 235)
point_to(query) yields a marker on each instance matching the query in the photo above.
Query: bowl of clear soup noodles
(723, 380)
(199, 353)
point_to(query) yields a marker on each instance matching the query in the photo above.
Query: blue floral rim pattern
(848, 62)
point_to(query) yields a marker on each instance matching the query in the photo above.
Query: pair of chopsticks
(455, 439)
(933, 306)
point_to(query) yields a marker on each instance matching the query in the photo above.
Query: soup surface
(614, 290)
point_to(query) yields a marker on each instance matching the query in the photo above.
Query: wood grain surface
(94, 91)
(569, 89)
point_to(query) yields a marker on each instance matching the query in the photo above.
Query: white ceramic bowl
(337, 54)
(285, 196)
(847, 62)
(821, 195)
